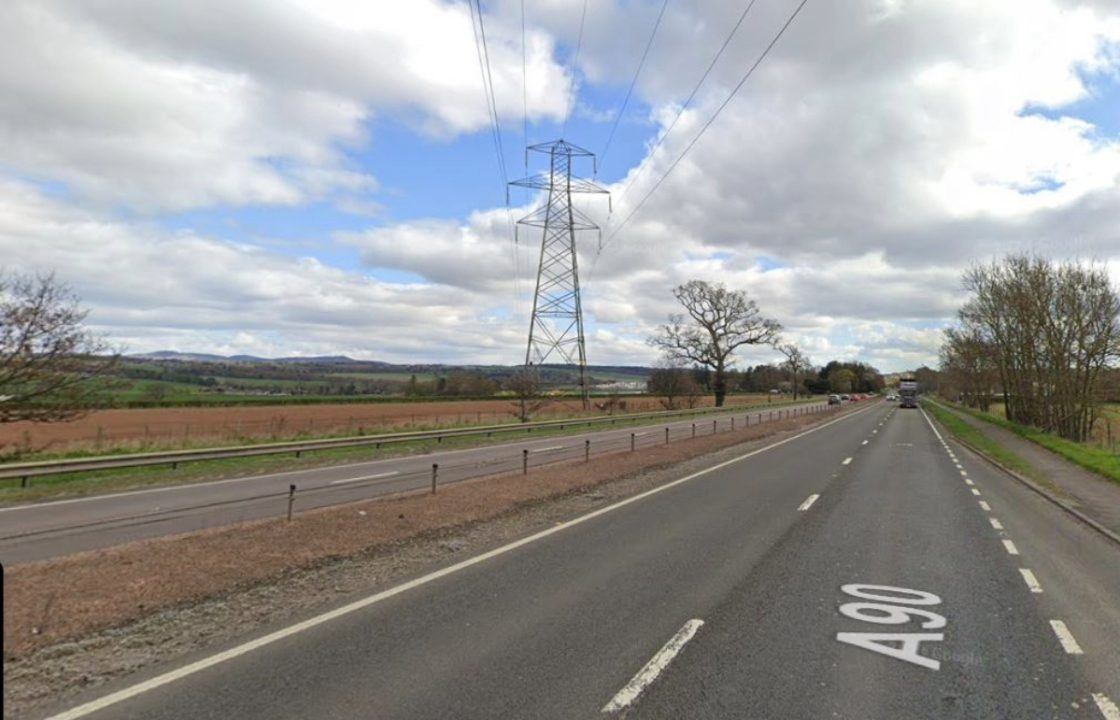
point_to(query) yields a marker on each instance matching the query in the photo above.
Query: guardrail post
(291, 500)
(666, 436)
(435, 474)
(715, 426)
(174, 465)
(587, 451)
(439, 439)
(694, 431)
(732, 422)
(298, 453)
(524, 462)
(23, 481)
(631, 442)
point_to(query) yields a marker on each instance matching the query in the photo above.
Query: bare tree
(673, 382)
(1052, 330)
(797, 363)
(719, 322)
(47, 356)
(525, 385)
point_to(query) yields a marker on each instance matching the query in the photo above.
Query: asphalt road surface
(862, 569)
(50, 529)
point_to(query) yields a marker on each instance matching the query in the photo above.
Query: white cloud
(877, 151)
(169, 105)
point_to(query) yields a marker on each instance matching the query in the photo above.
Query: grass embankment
(1096, 459)
(972, 436)
(51, 487)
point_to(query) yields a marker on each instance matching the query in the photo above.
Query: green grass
(50, 487)
(1095, 459)
(972, 436)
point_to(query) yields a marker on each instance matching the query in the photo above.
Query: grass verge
(1097, 460)
(979, 440)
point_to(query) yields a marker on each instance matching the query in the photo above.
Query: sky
(319, 177)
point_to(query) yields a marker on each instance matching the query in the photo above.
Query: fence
(25, 471)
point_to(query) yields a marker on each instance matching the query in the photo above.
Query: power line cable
(708, 124)
(633, 81)
(524, 90)
(495, 124)
(488, 85)
(687, 102)
(572, 95)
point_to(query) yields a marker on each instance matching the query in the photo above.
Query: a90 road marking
(893, 606)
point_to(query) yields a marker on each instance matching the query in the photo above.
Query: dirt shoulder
(1086, 491)
(83, 620)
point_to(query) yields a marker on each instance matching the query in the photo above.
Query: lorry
(908, 393)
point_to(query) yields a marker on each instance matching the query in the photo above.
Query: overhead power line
(488, 84)
(712, 119)
(688, 102)
(633, 81)
(572, 95)
(482, 48)
(524, 90)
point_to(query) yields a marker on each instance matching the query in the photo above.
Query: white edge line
(1106, 706)
(1065, 637)
(630, 692)
(808, 502)
(548, 449)
(365, 477)
(1030, 580)
(1010, 547)
(199, 665)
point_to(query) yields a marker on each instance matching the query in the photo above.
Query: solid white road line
(846, 461)
(1065, 637)
(1106, 706)
(808, 502)
(630, 692)
(1011, 549)
(365, 477)
(207, 662)
(985, 506)
(996, 523)
(1031, 580)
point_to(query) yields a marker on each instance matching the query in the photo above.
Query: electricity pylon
(556, 326)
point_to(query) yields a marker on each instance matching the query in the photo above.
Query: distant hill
(372, 365)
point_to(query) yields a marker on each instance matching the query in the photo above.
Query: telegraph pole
(556, 325)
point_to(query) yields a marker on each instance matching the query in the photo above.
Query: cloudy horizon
(318, 178)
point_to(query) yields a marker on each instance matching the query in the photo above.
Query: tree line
(1038, 335)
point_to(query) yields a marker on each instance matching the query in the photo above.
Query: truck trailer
(908, 393)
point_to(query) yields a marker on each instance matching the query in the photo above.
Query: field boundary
(25, 471)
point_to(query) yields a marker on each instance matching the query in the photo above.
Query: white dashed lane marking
(985, 506)
(1031, 580)
(996, 523)
(975, 491)
(1065, 637)
(808, 502)
(1106, 706)
(846, 461)
(1011, 549)
(653, 668)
